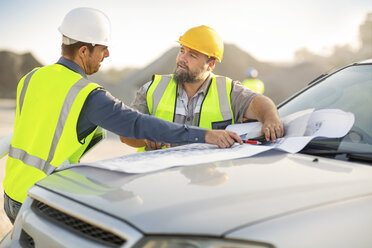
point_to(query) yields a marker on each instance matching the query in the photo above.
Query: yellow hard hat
(205, 40)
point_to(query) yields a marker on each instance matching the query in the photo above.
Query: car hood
(215, 198)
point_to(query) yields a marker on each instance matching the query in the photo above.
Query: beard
(187, 76)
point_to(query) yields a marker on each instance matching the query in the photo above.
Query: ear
(82, 51)
(211, 64)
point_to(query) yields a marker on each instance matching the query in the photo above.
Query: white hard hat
(87, 25)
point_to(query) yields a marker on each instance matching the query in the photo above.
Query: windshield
(350, 90)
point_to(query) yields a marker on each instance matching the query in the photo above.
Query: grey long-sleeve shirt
(102, 109)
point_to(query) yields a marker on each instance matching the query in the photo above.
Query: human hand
(222, 138)
(133, 142)
(155, 145)
(272, 129)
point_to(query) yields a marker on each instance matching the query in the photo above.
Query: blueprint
(300, 128)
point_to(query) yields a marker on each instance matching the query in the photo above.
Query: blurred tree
(365, 36)
(305, 55)
(342, 55)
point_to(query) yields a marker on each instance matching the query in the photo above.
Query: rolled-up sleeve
(103, 110)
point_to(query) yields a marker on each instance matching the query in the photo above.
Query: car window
(349, 90)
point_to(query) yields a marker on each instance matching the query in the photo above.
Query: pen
(253, 142)
(261, 140)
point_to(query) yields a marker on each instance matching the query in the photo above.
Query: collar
(72, 66)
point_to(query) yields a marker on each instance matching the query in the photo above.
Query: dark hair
(70, 50)
(209, 59)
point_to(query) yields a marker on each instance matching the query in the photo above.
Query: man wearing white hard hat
(59, 111)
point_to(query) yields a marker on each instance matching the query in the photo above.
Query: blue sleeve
(102, 109)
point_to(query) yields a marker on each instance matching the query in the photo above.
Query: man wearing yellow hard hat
(194, 95)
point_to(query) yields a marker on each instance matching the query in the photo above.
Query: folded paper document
(300, 128)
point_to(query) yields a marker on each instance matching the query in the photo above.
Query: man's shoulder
(146, 86)
(158, 77)
(224, 77)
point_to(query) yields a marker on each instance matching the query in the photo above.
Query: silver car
(319, 197)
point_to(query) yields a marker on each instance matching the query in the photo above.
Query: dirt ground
(110, 147)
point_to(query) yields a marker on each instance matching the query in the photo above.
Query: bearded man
(193, 95)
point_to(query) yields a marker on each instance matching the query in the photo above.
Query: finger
(158, 145)
(220, 141)
(273, 135)
(223, 142)
(152, 145)
(267, 133)
(221, 145)
(229, 141)
(231, 137)
(236, 137)
(279, 132)
(167, 145)
(282, 129)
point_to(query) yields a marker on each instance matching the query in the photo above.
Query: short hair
(70, 50)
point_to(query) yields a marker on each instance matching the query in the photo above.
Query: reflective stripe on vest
(24, 88)
(71, 95)
(33, 161)
(156, 96)
(216, 106)
(36, 162)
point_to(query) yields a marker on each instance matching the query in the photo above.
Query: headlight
(196, 242)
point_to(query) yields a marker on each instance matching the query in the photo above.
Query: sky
(142, 30)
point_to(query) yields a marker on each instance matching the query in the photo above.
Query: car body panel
(341, 224)
(254, 189)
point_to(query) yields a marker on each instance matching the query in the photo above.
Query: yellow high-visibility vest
(49, 102)
(254, 84)
(215, 111)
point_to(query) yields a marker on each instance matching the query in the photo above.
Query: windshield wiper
(341, 150)
(323, 145)
(359, 156)
(318, 78)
